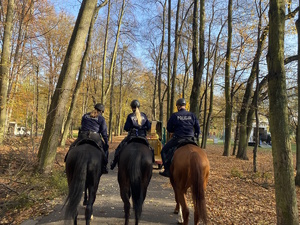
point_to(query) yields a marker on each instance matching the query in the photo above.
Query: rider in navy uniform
(137, 125)
(183, 125)
(93, 127)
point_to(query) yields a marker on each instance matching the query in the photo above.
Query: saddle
(181, 142)
(90, 141)
(142, 140)
(86, 141)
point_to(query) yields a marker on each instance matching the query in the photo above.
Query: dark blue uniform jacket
(132, 122)
(184, 124)
(97, 125)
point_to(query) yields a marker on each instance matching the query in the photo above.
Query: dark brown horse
(190, 169)
(83, 169)
(134, 175)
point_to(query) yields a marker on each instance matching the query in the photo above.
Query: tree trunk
(5, 65)
(187, 67)
(121, 93)
(104, 53)
(160, 64)
(285, 194)
(79, 80)
(257, 89)
(297, 178)
(176, 50)
(37, 102)
(228, 110)
(110, 123)
(237, 133)
(155, 89)
(114, 53)
(54, 121)
(243, 138)
(169, 61)
(206, 119)
(198, 56)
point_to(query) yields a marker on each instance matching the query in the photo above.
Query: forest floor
(235, 195)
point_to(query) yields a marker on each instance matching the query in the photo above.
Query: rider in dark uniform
(136, 125)
(183, 125)
(93, 127)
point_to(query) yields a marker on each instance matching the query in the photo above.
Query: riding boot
(152, 151)
(166, 172)
(104, 169)
(104, 166)
(114, 162)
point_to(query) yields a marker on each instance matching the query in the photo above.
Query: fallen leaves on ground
(235, 195)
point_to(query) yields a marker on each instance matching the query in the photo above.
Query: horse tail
(136, 187)
(76, 186)
(198, 186)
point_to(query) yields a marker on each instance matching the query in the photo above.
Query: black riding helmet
(99, 107)
(135, 104)
(180, 102)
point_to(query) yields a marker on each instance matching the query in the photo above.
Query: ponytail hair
(138, 116)
(95, 113)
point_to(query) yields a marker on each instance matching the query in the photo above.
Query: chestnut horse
(134, 175)
(190, 168)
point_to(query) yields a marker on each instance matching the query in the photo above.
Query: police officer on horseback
(137, 125)
(185, 127)
(94, 128)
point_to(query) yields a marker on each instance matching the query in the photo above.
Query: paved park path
(108, 208)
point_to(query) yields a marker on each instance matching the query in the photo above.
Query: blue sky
(70, 6)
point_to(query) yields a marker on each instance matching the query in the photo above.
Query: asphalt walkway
(108, 208)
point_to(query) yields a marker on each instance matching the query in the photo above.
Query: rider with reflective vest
(137, 125)
(93, 127)
(184, 125)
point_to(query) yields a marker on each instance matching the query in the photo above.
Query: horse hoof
(179, 222)
(92, 217)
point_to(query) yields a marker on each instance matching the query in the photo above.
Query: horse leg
(177, 207)
(75, 218)
(92, 190)
(125, 196)
(180, 219)
(176, 210)
(185, 210)
(85, 196)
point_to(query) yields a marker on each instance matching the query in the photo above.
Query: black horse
(134, 175)
(83, 169)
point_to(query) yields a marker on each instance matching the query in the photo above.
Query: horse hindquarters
(198, 176)
(134, 174)
(137, 190)
(76, 183)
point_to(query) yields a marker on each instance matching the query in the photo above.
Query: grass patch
(236, 173)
